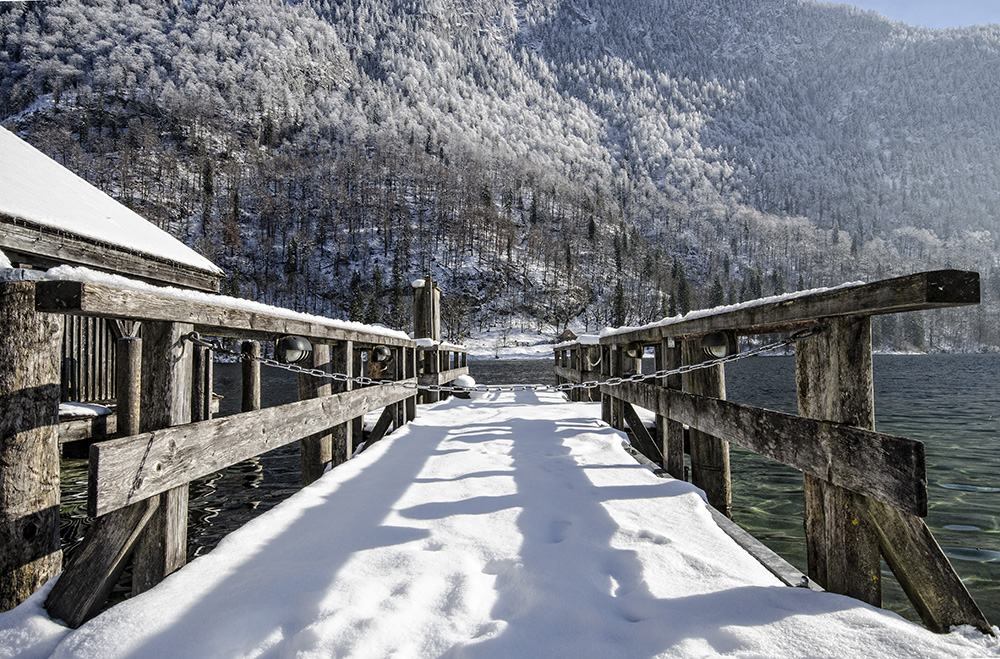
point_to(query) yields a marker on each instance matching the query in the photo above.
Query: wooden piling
(709, 455)
(316, 450)
(342, 438)
(166, 401)
(29, 446)
(250, 391)
(834, 383)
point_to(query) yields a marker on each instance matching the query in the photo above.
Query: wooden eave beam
(90, 299)
(47, 247)
(926, 290)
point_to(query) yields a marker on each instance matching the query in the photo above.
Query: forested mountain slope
(608, 162)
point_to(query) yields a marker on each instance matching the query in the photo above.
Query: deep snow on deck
(510, 526)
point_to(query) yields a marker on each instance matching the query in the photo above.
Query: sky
(935, 13)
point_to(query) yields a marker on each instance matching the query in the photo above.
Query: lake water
(950, 402)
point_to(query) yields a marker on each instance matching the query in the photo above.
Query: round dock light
(715, 345)
(292, 349)
(634, 350)
(381, 354)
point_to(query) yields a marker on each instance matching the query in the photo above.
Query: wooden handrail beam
(925, 290)
(124, 471)
(887, 468)
(87, 298)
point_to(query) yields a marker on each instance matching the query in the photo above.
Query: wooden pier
(865, 492)
(166, 433)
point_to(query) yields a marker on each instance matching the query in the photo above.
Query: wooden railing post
(411, 372)
(29, 448)
(670, 434)
(342, 361)
(834, 383)
(317, 450)
(201, 384)
(709, 455)
(250, 391)
(606, 399)
(166, 401)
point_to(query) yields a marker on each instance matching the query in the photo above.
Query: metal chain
(194, 338)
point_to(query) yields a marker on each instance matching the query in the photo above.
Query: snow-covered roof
(35, 188)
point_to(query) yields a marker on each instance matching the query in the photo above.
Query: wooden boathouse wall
(865, 492)
(166, 433)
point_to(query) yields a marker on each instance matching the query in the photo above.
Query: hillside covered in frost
(551, 162)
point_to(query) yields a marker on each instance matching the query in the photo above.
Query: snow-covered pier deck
(513, 525)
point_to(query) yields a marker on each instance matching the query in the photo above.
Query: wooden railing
(440, 364)
(138, 483)
(865, 492)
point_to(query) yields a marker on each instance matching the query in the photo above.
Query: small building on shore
(49, 217)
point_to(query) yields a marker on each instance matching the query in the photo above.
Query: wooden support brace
(88, 579)
(381, 426)
(922, 569)
(642, 441)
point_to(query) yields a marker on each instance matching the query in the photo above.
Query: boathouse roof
(50, 216)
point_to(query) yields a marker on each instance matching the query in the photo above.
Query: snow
(76, 410)
(701, 313)
(4, 261)
(71, 273)
(426, 343)
(583, 339)
(38, 189)
(417, 283)
(514, 525)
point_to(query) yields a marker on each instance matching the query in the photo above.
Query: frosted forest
(553, 163)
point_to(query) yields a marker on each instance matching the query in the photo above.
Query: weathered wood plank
(316, 450)
(923, 570)
(925, 290)
(165, 401)
(709, 451)
(29, 452)
(568, 374)
(643, 441)
(833, 373)
(444, 377)
(131, 469)
(45, 247)
(212, 319)
(93, 427)
(881, 466)
(87, 581)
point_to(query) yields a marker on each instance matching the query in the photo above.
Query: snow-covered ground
(514, 525)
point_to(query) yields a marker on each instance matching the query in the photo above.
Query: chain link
(362, 380)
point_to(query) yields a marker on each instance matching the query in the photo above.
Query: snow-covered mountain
(551, 161)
